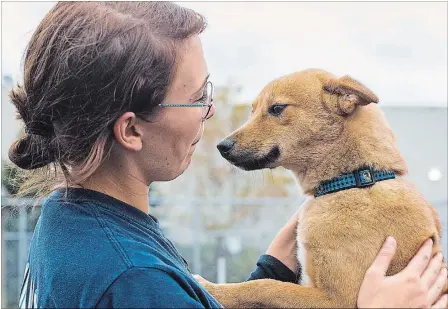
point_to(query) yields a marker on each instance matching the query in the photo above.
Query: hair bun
(31, 152)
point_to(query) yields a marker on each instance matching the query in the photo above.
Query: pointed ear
(350, 92)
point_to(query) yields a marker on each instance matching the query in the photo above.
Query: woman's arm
(280, 261)
(269, 267)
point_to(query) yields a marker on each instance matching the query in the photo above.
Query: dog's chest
(301, 247)
(301, 257)
(319, 222)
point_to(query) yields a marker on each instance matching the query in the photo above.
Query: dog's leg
(267, 293)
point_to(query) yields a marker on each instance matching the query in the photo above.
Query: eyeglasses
(205, 102)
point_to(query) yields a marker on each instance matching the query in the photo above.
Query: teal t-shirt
(90, 250)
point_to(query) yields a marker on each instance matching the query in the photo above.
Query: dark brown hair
(86, 64)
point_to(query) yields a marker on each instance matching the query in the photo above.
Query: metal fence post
(23, 243)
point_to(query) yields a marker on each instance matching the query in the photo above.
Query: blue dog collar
(363, 177)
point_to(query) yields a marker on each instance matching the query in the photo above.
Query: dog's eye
(277, 109)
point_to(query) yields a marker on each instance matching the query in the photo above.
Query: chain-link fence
(18, 221)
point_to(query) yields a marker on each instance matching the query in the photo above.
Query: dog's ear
(350, 93)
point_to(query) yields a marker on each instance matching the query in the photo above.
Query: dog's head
(293, 118)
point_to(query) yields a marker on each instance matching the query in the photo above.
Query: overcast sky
(399, 50)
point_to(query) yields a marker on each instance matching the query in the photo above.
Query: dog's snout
(225, 146)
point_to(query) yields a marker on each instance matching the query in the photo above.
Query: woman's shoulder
(83, 232)
(90, 232)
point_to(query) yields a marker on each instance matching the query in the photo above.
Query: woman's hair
(86, 64)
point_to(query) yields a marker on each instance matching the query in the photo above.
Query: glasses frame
(208, 104)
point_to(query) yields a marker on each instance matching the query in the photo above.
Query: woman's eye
(201, 99)
(277, 109)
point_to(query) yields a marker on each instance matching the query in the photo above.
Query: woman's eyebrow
(202, 87)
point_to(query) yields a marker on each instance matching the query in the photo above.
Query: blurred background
(220, 218)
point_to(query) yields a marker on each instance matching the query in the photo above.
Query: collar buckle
(364, 177)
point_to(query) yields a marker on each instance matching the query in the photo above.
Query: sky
(398, 50)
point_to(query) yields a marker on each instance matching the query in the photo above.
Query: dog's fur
(328, 128)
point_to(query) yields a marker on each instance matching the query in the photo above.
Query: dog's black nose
(225, 145)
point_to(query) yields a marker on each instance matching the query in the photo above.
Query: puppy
(331, 135)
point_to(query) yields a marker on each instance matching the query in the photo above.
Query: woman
(115, 97)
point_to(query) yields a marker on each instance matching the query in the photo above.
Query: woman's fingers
(294, 220)
(442, 303)
(437, 287)
(433, 270)
(382, 261)
(421, 260)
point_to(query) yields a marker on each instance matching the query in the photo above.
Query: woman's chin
(177, 173)
(182, 167)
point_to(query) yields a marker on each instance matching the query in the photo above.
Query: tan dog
(320, 126)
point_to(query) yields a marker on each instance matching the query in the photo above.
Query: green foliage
(13, 178)
(10, 177)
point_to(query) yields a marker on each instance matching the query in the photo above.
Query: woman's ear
(127, 133)
(350, 92)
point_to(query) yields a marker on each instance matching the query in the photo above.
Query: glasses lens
(208, 100)
(205, 112)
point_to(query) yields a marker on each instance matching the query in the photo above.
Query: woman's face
(169, 140)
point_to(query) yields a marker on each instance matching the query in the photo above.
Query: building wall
(10, 127)
(422, 137)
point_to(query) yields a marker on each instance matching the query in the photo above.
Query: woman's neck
(122, 186)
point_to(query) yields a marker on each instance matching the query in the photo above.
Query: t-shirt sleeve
(141, 287)
(268, 267)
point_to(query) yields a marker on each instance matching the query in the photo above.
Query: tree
(10, 177)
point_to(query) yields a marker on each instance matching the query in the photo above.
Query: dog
(330, 133)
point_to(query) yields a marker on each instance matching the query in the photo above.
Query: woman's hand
(417, 286)
(284, 245)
